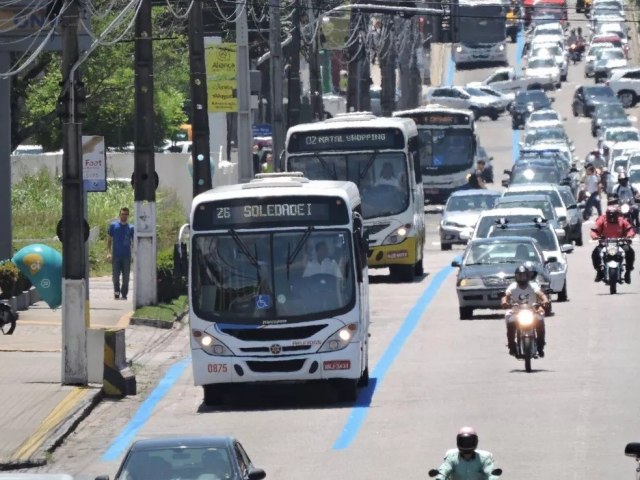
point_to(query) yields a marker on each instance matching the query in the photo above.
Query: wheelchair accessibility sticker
(263, 302)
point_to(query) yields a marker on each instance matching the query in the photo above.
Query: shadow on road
(485, 316)
(379, 279)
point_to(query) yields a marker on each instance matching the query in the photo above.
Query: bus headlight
(340, 339)
(398, 235)
(211, 344)
(458, 49)
(501, 47)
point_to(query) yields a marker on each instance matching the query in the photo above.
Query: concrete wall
(172, 168)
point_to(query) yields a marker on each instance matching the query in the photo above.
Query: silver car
(461, 213)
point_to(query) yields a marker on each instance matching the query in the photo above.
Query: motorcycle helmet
(522, 275)
(613, 212)
(467, 440)
(623, 179)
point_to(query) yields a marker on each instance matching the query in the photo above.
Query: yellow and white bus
(278, 285)
(381, 156)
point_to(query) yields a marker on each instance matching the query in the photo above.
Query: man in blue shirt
(121, 238)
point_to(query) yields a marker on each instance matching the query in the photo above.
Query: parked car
(187, 457)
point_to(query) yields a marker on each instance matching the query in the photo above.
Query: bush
(9, 274)
(169, 286)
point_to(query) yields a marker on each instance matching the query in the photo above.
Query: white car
(554, 51)
(590, 57)
(505, 98)
(634, 176)
(546, 117)
(548, 29)
(614, 135)
(488, 218)
(607, 60)
(544, 67)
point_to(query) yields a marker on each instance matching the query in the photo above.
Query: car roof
(477, 191)
(505, 239)
(504, 212)
(531, 187)
(181, 441)
(528, 196)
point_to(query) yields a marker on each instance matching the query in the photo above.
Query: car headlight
(458, 49)
(526, 318)
(470, 282)
(556, 267)
(340, 339)
(211, 344)
(398, 235)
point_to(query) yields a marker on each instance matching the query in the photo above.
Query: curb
(152, 322)
(35, 450)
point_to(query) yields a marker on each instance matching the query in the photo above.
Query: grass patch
(37, 207)
(166, 312)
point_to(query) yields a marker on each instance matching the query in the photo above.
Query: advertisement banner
(94, 163)
(220, 60)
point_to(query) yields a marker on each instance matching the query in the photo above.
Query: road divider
(118, 380)
(359, 412)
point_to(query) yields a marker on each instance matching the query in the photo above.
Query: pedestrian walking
(592, 188)
(119, 243)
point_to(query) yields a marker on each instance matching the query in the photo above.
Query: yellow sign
(220, 60)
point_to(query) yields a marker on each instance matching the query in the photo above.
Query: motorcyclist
(465, 462)
(612, 225)
(580, 40)
(524, 290)
(573, 38)
(594, 158)
(627, 193)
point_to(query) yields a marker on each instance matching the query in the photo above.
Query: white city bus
(278, 285)
(448, 148)
(482, 32)
(381, 156)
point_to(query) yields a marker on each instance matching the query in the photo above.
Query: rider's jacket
(455, 467)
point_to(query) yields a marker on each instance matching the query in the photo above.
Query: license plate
(337, 365)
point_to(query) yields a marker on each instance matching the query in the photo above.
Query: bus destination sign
(441, 118)
(270, 212)
(351, 139)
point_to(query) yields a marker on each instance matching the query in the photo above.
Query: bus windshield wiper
(333, 173)
(369, 165)
(243, 248)
(291, 256)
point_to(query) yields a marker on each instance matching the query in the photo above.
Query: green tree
(108, 75)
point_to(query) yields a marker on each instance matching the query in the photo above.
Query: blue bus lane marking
(451, 69)
(145, 411)
(359, 411)
(515, 138)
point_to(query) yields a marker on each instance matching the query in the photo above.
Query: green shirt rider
(466, 462)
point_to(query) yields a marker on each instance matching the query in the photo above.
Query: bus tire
(347, 389)
(212, 395)
(419, 268)
(364, 378)
(402, 273)
(445, 246)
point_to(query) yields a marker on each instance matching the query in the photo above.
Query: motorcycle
(629, 211)
(575, 54)
(7, 319)
(633, 450)
(613, 256)
(495, 472)
(526, 318)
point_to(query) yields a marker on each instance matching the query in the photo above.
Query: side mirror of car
(433, 472)
(102, 477)
(465, 235)
(567, 248)
(573, 206)
(456, 262)
(632, 450)
(551, 260)
(507, 172)
(257, 474)
(496, 472)
(505, 183)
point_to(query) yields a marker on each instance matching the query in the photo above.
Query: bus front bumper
(341, 364)
(401, 254)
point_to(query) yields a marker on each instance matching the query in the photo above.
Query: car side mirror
(496, 472)
(632, 449)
(507, 172)
(456, 262)
(433, 472)
(257, 474)
(567, 248)
(573, 206)
(551, 260)
(465, 235)
(505, 183)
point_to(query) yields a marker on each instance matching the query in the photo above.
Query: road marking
(145, 410)
(359, 412)
(515, 136)
(57, 415)
(451, 68)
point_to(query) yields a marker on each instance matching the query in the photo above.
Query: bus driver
(387, 176)
(322, 264)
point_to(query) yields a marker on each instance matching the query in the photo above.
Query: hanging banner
(220, 61)
(94, 163)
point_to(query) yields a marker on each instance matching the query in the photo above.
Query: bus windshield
(381, 177)
(446, 149)
(480, 25)
(272, 277)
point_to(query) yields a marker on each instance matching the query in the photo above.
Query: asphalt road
(570, 418)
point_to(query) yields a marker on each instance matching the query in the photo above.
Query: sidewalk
(38, 412)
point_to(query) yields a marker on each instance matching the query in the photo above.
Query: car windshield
(533, 96)
(567, 197)
(546, 52)
(546, 135)
(476, 92)
(545, 237)
(445, 149)
(541, 116)
(488, 253)
(464, 203)
(544, 205)
(535, 175)
(184, 463)
(598, 92)
(593, 51)
(634, 160)
(259, 278)
(541, 63)
(555, 196)
(621, 163)
(381, 177)
(610, 55)
(486, 222)
(634, 176)
(610, 111)
(621, 136)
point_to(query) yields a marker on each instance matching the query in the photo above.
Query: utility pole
(74, 229)
(293, 94)
(358, 97)
(277, 126)
(315, 81)
(245, 137)
(388, 67)
(199, 111)
(144, 170)
(410, 84)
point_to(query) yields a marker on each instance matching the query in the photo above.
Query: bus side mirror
(180, 260)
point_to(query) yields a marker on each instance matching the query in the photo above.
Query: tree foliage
(108, 75)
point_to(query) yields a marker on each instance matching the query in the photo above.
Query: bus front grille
(271, 334)
(373, 229)
(275, 366)
(294, 348)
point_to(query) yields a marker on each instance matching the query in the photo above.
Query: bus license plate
(337, 365)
